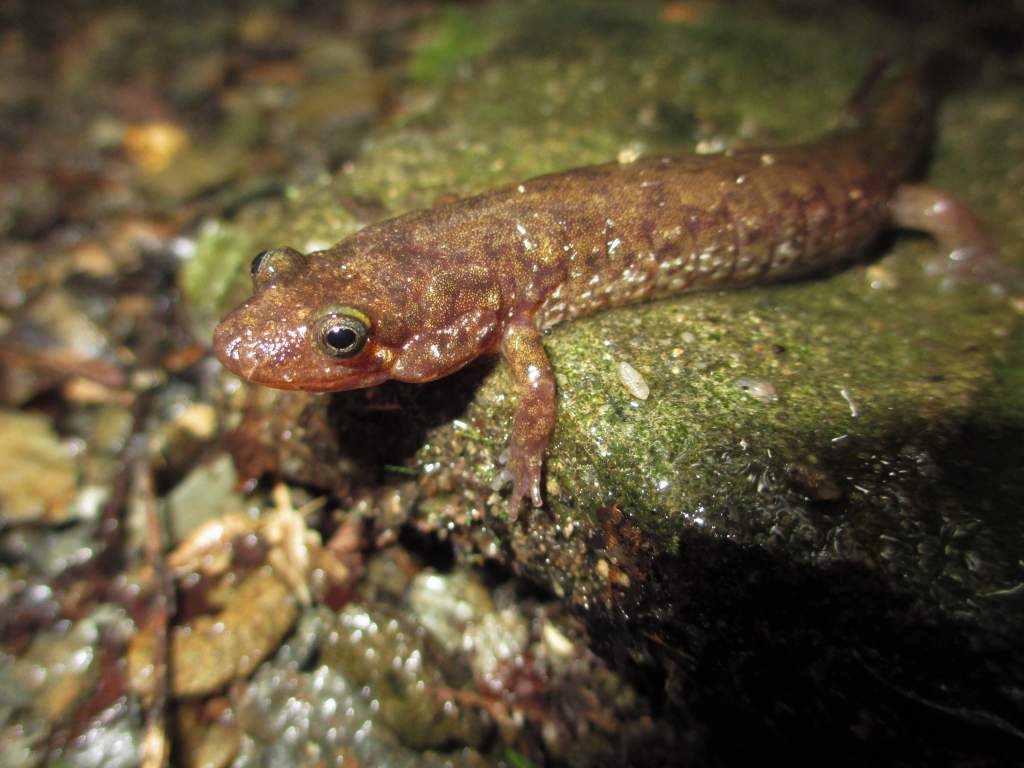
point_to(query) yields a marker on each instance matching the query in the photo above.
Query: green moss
(452, 41)
(214, 279)
(874, 385)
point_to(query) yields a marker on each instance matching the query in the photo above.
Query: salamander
(419, 296)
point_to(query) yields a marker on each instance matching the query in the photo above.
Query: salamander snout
(293, 347)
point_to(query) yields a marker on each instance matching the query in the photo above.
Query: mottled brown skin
(441, 287)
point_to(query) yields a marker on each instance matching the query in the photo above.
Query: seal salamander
(419, 296)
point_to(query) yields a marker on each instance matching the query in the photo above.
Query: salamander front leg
(951, 223)
(535, 419)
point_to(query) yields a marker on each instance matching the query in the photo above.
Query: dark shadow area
(804, 665)
(429, 548)
(958, 26)
(389, 425)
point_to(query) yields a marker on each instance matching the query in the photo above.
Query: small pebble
(881, 279)
(633, 381)
(759, 390)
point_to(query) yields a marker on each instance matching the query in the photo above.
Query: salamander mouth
(336, 381)
(359, 381)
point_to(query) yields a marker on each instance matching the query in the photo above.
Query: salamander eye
(269, 267)
(342, 334)
(257, 260)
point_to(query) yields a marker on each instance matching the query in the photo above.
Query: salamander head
(312, 323)
(356, 316)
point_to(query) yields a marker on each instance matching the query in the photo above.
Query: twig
(155, 750)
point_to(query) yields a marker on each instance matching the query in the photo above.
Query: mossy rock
(822, 470)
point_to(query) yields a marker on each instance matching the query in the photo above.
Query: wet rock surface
(38, 483)
(778, 523)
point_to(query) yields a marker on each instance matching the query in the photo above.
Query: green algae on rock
(808, 418)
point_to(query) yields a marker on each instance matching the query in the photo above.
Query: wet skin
(419, 296)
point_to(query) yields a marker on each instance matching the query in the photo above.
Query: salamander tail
(893, 109)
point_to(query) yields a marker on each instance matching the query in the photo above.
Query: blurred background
(805, 545)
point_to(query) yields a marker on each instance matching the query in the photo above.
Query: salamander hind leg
(951, 223)
(535, 418)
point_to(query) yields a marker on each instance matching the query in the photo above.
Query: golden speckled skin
(487, 274)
